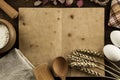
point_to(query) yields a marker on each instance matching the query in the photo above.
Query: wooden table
(29, 3)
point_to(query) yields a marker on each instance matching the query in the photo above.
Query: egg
(112, 52)
(115, 38)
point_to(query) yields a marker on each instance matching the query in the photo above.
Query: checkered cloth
(115, 14)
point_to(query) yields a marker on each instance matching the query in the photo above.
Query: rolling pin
(42, 72)
(11, 12)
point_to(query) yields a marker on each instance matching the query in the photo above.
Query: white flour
(4, 35)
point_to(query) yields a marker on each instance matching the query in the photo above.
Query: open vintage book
(45, 33)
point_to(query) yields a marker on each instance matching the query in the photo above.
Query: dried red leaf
(61, 1)
(80, 3)
(54, 2)
(45, 1)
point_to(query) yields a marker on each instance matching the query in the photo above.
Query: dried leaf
(45, 1)
(80, 3)
(54, 2)
(61, 1)
(69, 2)
(37, 3)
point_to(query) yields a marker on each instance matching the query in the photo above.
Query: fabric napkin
(14, 66)
(115, 14)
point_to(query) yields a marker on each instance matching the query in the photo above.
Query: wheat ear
(87, 70)
(83, 64)
(90, 52)
(72, 58)
(75, 53)
(80, 61)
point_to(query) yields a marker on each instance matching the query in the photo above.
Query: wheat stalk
(90, 52)
(113, 64)
(83, 64)
(75, 53)
(91, 72)
(72, 58)
(81, 61)
(86, 70)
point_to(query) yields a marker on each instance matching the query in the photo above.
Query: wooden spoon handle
(11, 12)
(63, 78)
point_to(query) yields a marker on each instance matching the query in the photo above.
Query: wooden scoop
(60, 67)
(42, 72)
(11, 12)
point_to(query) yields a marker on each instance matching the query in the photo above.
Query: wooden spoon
(60, 67)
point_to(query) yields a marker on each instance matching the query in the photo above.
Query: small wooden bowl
(12, 36)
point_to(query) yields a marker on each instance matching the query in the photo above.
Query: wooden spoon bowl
(12, 36)
(60, 67)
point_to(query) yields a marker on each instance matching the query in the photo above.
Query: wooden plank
(45, 33)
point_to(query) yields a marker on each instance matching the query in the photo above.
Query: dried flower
(69, 2)
(45, 2)
(80, 3)
(55, 2)
(61, 1)
(37, 3)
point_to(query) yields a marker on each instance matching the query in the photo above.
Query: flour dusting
(4, 35)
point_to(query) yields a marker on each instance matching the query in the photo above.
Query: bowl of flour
(7, 36)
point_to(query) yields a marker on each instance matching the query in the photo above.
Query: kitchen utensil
(42, 72)
(11, 12)
(115, 39)
(12, 36)
(112, 52)
(60, 67)
(50, 32)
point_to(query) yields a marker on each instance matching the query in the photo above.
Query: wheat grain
(75, 53)
(90, 52)
(83, 64)
(91, 72)
(87, 70)
(72, 58)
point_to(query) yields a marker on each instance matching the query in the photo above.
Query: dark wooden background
(29, 3)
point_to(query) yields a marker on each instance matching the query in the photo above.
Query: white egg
(115, 38)
(112, 52)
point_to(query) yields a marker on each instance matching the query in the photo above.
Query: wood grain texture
(24, 3)
(12, 36)
(42, 72)
(10, 11)
(53, 32)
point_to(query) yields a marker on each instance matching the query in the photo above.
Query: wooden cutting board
(45, 33)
